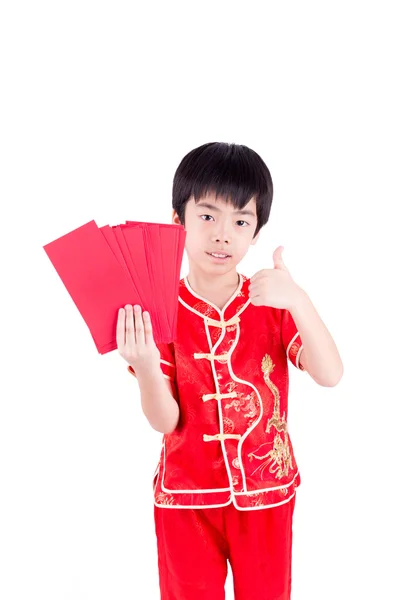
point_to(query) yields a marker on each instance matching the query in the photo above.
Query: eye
(240, 220)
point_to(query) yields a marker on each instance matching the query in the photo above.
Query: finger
(253, 287)
(259, 274)
(121, 329)
(139, 327)
(129, 327)
(148, 328)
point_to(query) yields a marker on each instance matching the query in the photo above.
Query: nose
(225, 236)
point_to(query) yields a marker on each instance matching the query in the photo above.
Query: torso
(216, 357)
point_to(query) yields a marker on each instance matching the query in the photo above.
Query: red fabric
(230, 371)
(194, 547)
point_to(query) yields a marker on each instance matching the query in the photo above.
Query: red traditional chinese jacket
(230, 369)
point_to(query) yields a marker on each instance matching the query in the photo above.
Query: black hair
(233, 172)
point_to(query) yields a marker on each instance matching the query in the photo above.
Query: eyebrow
(237, 212)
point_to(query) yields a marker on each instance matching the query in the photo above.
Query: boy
(225, 486)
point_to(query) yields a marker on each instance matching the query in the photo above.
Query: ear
(175, 218)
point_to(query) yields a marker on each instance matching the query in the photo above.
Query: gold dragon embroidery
(279, 459)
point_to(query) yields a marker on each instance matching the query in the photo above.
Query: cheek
(242, 247)
(195, 244)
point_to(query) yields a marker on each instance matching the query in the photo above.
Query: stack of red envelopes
(105, 268)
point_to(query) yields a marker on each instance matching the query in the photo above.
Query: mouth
(219, 258)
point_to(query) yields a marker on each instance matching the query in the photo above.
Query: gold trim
(220, 357)
(221, 436)
(233, 321)
(218, 396)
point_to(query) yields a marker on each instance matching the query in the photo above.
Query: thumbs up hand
(274, 287)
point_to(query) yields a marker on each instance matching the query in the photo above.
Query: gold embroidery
(235, 479)
(231, 385)
(252, 407)
(162, 498)
(228, 425)
(279, 458)
(236, 404)
(256, 499)
(267, 367)
(247, 403)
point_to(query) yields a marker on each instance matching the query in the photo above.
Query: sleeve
(291, 339)
(167, 361)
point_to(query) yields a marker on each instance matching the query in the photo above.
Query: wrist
(147, 370)
(299, 299)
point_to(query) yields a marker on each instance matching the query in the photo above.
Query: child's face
(217, 229)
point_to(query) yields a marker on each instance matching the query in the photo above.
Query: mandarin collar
(206, 308)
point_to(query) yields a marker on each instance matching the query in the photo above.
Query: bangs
(233, 173)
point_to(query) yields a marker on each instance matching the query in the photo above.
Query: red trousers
(194, 546)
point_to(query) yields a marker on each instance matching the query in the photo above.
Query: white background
(100, 102)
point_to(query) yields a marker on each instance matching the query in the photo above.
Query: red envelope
(105, 268)
(171, 239)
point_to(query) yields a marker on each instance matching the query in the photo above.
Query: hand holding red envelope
(106, 268)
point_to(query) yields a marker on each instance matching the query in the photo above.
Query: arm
(319, 355)
(136, 345)
(158, 403)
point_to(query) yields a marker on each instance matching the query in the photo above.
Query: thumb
(278, 260)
